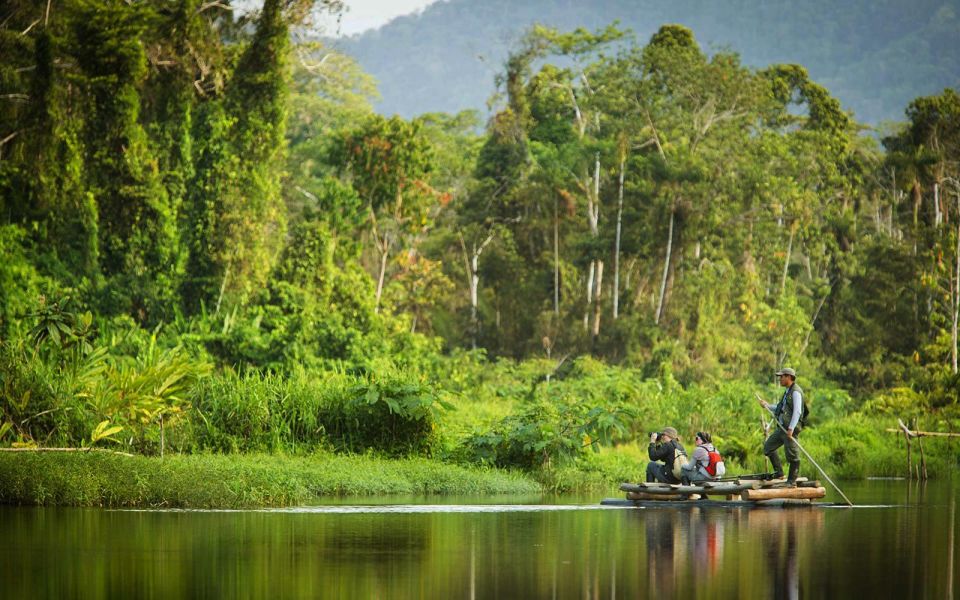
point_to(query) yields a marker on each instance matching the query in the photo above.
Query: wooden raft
(747, 491)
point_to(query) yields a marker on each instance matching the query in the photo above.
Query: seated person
(664, 448)
(705, 459)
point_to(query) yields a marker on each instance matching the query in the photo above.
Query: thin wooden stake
(923, 459)
(906, 436)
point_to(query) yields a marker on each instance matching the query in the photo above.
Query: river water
(900, 541)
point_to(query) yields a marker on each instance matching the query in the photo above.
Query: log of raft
(782, 483)
(750, 492)
(783, 502)
(712, 488)
(771, 493)
(657, 497)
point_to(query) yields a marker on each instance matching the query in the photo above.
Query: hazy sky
(367, 14)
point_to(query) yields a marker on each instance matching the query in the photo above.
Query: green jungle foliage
(212, 245)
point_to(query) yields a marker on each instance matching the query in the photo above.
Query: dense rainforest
(875, 57)
(212, 244)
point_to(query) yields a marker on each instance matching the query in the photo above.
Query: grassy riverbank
(233, 481)
(848, 448)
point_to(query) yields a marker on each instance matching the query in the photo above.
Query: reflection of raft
(735, 493)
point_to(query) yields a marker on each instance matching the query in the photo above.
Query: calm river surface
(902, 543)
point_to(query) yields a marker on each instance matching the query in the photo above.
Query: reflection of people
(663, 448)
(664, 537)
(787, 412)
(696, 469)
(707, 541)
(780, 542)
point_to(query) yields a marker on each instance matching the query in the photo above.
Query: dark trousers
(659, 472)
(779, 438)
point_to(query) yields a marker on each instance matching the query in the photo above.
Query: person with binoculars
(667, 456)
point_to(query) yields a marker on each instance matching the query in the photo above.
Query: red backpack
(715, 466)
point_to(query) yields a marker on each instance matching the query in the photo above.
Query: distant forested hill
(875, 55)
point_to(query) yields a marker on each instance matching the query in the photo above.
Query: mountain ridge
(874, 56)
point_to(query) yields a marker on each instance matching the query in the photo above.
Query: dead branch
(214, 4)
(8, 138)
(27, 30)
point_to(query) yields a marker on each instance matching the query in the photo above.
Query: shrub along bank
(466, 423)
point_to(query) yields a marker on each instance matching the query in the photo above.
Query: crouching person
(668, 457)
(706, 465)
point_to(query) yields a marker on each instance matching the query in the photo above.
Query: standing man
(787, 412)
(665, 447)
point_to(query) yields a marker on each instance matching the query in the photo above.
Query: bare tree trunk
(937, 213)
(597, 288)
(594, 207)
(917, 200)
(472, 262)
(666, 269)
(586, 313)
(956, 295)
(666, 259)
(786, 261)
(894, 199)
(384, 254)
(223, 286)
(474, 293)
(556, 258)
(382, 244)
(616, 249)
(813, 321)
(593, 216)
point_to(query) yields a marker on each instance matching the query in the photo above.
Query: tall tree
(387, 161)
(138, 238)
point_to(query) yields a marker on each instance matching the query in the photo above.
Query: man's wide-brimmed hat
(786, 371)
(671, 432)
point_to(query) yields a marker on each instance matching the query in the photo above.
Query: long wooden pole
(810, 458)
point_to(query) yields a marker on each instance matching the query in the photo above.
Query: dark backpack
(805, 417)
